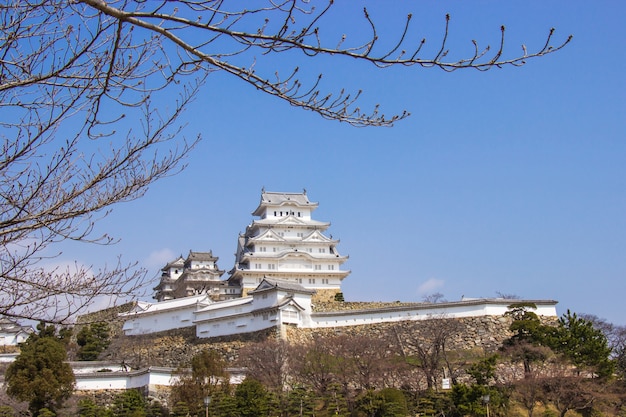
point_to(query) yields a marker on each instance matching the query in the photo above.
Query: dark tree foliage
(252, 399)
(616, 338)
(473, 400)
(93, 339)
(129, 403)
(484, 370)
(527, 345)
(581, 343)
(388, 402)
(88, 408)
(40, 373)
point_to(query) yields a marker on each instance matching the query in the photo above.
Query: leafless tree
(507, 296)
(424, 344)
(433, 298)
(529, 393)
(80, 131)
(267, 362)
(314, 365)
(570, 393)
(370, 360)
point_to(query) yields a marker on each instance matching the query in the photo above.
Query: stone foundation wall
(474, 333)
(176, 348)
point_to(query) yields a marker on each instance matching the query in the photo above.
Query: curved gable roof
(276, 199)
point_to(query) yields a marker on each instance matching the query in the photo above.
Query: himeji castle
(285, 265)
(283, 243)
(286, 243)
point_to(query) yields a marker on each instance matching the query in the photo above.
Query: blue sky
(509, 181)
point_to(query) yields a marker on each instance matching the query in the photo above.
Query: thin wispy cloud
(431, 285)
(158, 259)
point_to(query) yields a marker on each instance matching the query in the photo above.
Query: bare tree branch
(79, 132)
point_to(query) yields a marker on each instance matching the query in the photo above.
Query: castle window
(311, 280)
(322, 250)
(299, 214)
(318, 267)
(331, 267)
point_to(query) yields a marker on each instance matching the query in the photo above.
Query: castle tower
(198, 274)
(286, 243)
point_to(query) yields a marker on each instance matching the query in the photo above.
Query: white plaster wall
(242, 324)
(159, 321)
(353, 318)
(137, 379)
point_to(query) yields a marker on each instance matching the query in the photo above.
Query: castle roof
(180, 262)
(143, 307)
(276, 199)
(279, 284)
(201, 256)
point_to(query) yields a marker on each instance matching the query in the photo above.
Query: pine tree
(40, 374)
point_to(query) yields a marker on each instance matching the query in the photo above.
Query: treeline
(576, 367)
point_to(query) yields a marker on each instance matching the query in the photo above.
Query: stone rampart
(176, 348)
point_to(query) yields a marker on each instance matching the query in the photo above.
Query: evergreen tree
(92, 339)
(581, 343)
(484, 370)
(88, 408)
(388, 402)
(528, 343)
(40, 373)
(252, 399)
(129, 403)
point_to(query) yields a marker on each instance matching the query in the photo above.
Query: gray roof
(201, 256)
(273, 283)
(175, 263)
(269, 198)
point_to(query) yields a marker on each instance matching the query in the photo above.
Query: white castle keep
(284, 265)
(284, 243)
(287, 244)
